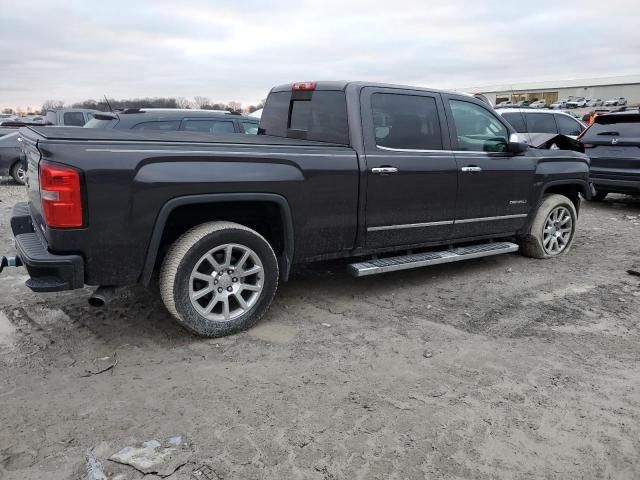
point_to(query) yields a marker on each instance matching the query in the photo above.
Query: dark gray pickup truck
(394, 177)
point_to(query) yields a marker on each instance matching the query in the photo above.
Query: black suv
(172, 119)
(613, 144)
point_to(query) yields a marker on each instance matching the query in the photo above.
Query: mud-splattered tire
(18, 174)
(552, 230)
(219, 278)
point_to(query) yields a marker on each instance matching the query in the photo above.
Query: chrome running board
(404, 262)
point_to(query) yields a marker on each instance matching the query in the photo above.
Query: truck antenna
(108, 104)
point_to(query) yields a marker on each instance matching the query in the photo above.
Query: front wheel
(219, 278)
(553, 228)
(18, 173)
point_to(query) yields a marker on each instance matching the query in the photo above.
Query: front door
(494, 185)
(412, 174)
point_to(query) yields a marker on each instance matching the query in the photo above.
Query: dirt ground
(506, 367)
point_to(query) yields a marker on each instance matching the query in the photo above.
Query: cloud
(74, 50)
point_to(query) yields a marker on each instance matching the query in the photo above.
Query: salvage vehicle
(172, 119)
(577, 102)
(612, 142)
(11, 157)
(393, 177)
(615, 102)
(542, 121)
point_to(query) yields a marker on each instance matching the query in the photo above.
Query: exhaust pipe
(101, 296)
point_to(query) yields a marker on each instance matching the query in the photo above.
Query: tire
(599, 196)
(188, 270)
(17, 173)
(537, 243)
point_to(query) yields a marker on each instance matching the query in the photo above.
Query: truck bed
(130, 136)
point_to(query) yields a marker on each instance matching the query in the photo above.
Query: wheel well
(263, 217)
(571, 191)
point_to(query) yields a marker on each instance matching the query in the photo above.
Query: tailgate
(615, 158)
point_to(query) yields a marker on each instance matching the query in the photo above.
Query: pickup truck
(392, 177)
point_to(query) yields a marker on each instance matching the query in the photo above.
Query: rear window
(608, 126)
(74, 119)
(250, 128)
(101, 123)
(319, 115)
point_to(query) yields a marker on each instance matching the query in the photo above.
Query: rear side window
(318, 115)
(250, 128)
(516, 120)
(568, 126)
(407, 122)
(208, 126)
(541, 123)
(166, 126)
(74, 119)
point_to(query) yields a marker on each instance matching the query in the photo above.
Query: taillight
(61, 196)
(310, 86)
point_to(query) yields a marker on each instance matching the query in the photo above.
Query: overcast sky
(73, 50)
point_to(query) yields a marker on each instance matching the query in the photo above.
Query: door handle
(384, 170)
(471, 169)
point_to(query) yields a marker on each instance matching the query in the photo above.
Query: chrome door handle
(471, 169)
(384, 170)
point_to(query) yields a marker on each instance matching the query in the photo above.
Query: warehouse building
(627, 86)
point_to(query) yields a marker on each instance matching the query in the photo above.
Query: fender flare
(158, 228)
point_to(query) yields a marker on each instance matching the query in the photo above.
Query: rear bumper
(625, 184)
(49, 272)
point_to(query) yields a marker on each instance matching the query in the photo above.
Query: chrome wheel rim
(557, 232)
(226, 282)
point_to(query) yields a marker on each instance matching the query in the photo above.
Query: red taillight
(310, 86)
(61, 196)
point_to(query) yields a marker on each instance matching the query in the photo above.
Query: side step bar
(404, 262)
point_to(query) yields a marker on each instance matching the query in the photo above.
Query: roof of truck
(343, 84)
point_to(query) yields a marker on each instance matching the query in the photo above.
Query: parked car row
(565, 103)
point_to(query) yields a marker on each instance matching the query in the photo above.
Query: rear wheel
(553, 228)
(219, 278)
(18, 173)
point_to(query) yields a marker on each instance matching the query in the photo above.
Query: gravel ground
(505, 367)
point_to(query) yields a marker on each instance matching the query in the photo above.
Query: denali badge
(517, 202)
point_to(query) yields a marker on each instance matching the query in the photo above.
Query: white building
(627, 86)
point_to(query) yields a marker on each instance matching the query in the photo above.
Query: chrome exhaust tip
(101, 296)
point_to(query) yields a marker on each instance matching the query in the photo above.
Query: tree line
(108, 104)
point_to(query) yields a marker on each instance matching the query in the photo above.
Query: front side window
(209, 126)
(74, 119)
(406, 122)
(516, 119)
(163, 126)
(477, 130)
(541, 123)
(568, 126)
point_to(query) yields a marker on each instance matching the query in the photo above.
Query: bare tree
(8, 110)
(182, 102)
(52, 105)
(234, 106)
(201, 102)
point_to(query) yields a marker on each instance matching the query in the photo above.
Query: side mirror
(517, 145)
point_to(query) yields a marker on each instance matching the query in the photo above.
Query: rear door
(494, 186)
(411, 175)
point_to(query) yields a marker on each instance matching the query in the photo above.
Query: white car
(525, 120)
(538, 104)
(578, 102)
(560, 104)
(594, 102)
(616, 102)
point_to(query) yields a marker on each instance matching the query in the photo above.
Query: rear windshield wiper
(617, 134)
